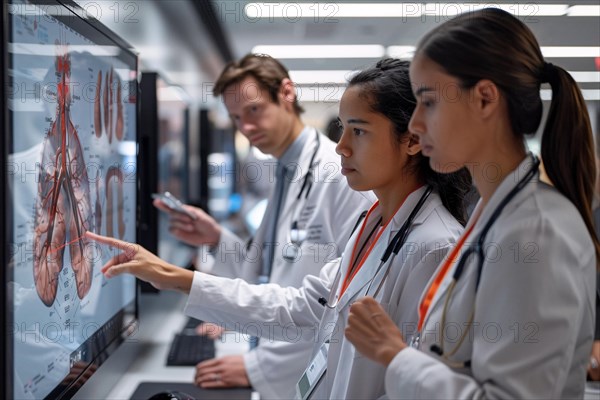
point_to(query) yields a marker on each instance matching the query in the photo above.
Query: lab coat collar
(410, 203)
(511, 180)
(293, 154)
(302, 168)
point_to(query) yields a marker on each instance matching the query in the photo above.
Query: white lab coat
(329, 213)
(533, 323)
(295, 314)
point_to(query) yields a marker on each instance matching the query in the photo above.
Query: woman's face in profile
(372, 158)
(443, 119)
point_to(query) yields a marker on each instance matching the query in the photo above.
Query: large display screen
(71, 168)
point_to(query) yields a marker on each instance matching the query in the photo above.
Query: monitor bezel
(128, 315)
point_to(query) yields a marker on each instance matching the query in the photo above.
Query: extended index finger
(119, 244)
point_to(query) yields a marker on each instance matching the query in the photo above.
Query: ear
(487, 97)
(287, 93)
(413, 146)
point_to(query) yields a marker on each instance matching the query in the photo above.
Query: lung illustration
(63, 209)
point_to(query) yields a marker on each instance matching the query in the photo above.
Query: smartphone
(173, 203)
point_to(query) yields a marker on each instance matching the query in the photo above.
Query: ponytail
(568, 145)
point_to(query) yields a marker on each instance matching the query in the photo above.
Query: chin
(357, 185)
(444, 166)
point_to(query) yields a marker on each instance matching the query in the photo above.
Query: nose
(416, 124)
(246, 126)
(342, 148)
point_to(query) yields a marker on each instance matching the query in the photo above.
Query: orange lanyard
(351, 273)
(443, 270)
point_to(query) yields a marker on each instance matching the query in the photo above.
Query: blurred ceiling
(170, 37)
(188, 41)
(248, 24)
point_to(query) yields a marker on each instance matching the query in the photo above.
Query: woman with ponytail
(510, 312)
(393, 252)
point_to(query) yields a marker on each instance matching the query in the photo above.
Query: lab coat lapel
(297, 179)
(369, 268)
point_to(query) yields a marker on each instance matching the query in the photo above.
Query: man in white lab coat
(309, 217)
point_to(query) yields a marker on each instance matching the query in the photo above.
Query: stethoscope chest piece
(297, 236)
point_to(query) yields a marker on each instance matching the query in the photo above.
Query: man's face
(266, 124)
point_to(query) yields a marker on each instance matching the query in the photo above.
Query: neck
(291, 136)
(494, 166)
(392, 197)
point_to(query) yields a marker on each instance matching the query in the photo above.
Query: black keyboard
(191, 323)
(189, 350)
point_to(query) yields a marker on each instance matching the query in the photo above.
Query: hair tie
(549, 73)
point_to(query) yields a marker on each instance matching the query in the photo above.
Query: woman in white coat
(510, 312)
(391, 255)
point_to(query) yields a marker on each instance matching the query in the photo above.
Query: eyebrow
(423, 89)
(357, 121)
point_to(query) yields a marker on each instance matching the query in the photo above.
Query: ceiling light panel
(322, 51)
(330, 11)
(570, 51)
(306, 77)
(584, 11)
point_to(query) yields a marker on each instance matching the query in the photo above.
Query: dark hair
(387, 88)
(267, 71)
(492, 44)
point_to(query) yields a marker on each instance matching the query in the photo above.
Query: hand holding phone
(173, 203)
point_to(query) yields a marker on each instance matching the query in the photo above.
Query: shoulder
(435, 225)
(545, 216)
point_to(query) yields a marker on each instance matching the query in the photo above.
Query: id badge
(313, 374)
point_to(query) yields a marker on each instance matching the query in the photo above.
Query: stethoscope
(393, 247)
(476, 249)
(297, 236)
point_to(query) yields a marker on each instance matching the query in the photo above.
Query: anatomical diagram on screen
(63, 208)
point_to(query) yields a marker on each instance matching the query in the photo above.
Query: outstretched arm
(231, 303)
(141, 263)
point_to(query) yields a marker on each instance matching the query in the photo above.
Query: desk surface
(161, 317)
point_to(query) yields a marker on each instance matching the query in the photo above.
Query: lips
(347, 170)
(426, 149)
(256, 138)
